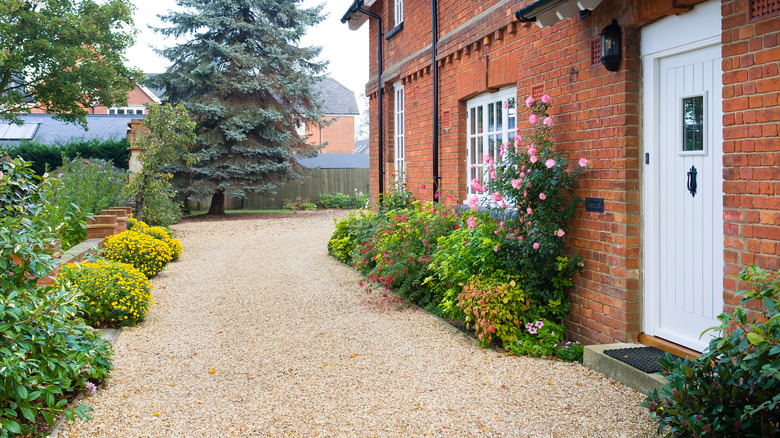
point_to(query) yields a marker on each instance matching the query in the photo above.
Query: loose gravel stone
(256, 331)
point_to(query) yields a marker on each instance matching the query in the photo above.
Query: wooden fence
(331, 181)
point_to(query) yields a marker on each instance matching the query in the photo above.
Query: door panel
(688, 257)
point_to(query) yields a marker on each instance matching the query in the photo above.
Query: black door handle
(692, 180)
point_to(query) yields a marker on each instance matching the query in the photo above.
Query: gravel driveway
(255, 332)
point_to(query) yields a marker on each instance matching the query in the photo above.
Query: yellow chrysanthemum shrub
(112, 294)
(159, 233)
(134, 224)
(144, 252)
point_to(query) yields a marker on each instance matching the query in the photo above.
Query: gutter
(528, 14)
(355, 9)
(435, 71)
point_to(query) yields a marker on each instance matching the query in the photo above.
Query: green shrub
(352, 231)
(401, 248)
(298, 204)
(87, 187)
(112, 294)
(733, 389)
(47, 352)
(142, 251)
(160, 206)
(45, 158)
(538, 338)
(493, 307)
(340, 200)
(471, 250)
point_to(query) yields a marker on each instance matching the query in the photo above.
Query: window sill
(394, 30)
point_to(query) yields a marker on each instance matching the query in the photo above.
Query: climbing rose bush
(537, 182)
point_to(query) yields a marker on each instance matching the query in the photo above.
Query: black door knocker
(692, 180)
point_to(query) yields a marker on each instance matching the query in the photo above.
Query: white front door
(683, 183)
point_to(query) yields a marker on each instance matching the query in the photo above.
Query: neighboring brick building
(340, 109)
(137, 100)
(697, 85)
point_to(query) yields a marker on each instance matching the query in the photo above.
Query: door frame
(658, 42)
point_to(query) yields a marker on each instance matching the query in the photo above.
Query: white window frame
(399, 12)
(399, 135)
(485, 138)
(125, 110)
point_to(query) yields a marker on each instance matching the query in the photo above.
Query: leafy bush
(401, 247)
(350, 232)
(45, 158)
(468, 251)
(87, 187)
(160, 205)
(340, 200)
(47, 351)
(142, 251)
(298, 204)
(538, 338)
(733, 389)
(493, 306)
(112, 294)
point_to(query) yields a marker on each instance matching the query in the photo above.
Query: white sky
(346, 50)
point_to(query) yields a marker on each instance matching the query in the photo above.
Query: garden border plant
(733, 389)
(495, 275)
(47, 351)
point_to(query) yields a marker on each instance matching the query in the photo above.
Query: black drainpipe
(434, 51)
(379, 95)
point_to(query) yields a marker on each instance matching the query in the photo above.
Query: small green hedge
(45, 157)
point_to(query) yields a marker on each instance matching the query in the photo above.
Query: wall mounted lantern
(610, 46)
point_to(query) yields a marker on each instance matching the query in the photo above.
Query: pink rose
(546, 99)
(533, 159)
(520, 238)
(476, 186)
(549, 163)
(533, 118)
(583, 162)
(471, 222)
(542, 196)
(517, 183)
(536, 245)
(495, 248)
(473, 201)
(522, 175)
(532, 151)
(560, 233)
(547, 121)
(528, 210)
(497, 196)
(529, 101)
(506, 105)
(518, 139)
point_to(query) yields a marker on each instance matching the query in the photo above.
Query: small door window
(693, 123)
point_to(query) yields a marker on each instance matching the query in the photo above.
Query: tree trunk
(218, 203)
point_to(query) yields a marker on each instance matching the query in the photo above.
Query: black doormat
(642, 358)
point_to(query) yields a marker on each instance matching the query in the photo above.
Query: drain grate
(642, 358)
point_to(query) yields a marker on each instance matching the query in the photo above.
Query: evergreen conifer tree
(247, 83)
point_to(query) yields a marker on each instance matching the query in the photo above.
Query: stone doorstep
(595, 359)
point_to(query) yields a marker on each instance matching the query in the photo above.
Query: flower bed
(496, 276)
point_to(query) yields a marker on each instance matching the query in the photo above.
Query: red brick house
(137, 100)
(696, 85)
(340, 109)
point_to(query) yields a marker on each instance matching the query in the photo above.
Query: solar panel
(16, 132)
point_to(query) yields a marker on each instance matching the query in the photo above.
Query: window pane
(139, 111)
(511, 114)
(499, 116)
(491, 117)
(693, 123)
(112, 111)
(480, 122)
(120, 111)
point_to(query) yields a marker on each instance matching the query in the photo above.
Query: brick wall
(339, 134)
(751, 144)
(597, 116)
